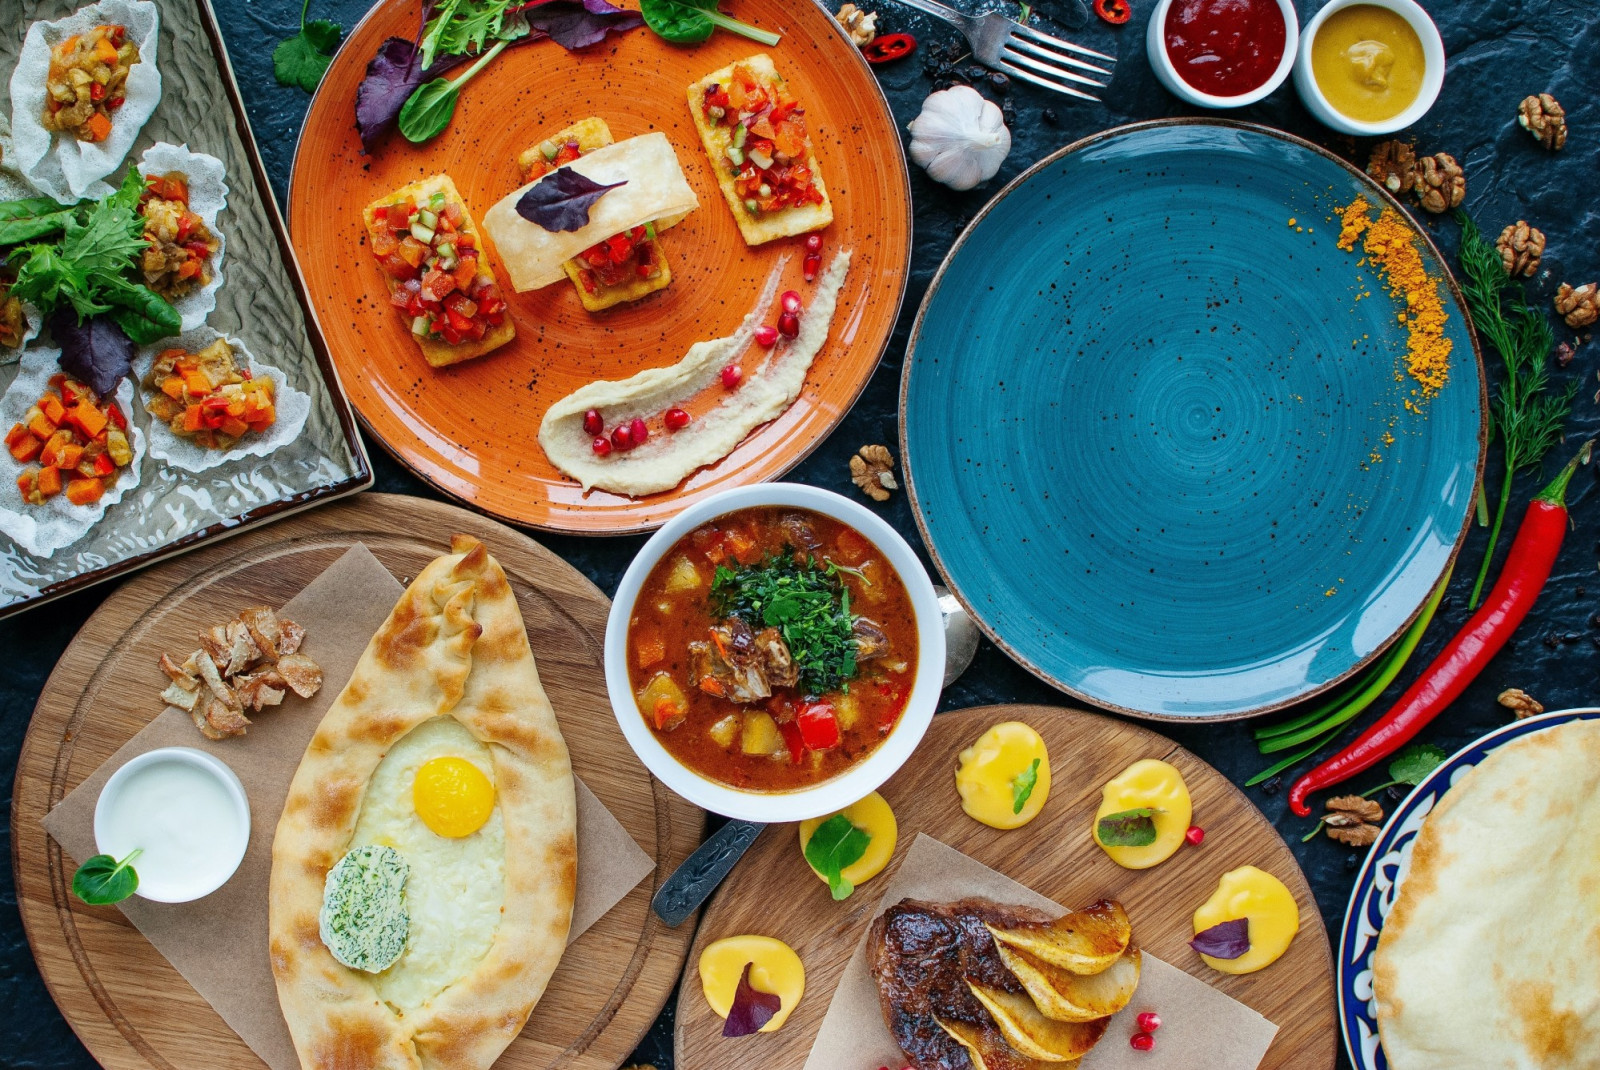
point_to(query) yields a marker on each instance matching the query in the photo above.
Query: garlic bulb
(960, 138)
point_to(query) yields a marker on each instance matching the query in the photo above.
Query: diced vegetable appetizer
(88, 82)
(766, 148)
(443, 284)
(181, 245)
(71, 443)
(207, 397)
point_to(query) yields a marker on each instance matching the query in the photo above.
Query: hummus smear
(666, 459)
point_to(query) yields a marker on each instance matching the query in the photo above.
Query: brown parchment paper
(219, 943)
(1201, 1028)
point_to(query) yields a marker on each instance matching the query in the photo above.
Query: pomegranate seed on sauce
(790, 302)
(676, 419)
(788, 324)
(638, 431)
(766, 336)
(622, 437)
(732, 375)
(811, 265)
(601, 445)
(592, 423)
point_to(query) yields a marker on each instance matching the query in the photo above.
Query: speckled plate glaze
(1378, 884)
(1147, 417)
(471, 430)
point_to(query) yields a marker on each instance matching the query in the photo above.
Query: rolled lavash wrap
(653, 188)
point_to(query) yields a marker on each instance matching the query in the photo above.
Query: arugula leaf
(1127, 828)
(303, 59)
(1022, 786)
(463, 27)
(806, 602)
(1413, 764)
(835, 845)
(30, 218)
(103, 880)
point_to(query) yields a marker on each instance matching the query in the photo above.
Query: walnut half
(1394, 164)
(1579, 306)
(1520, 702)
(1353, 820)
(872, 469)
(1544, 118)
(1440, 184)
(860, 26)
(1521, 247)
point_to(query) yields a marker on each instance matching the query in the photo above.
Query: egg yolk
(1274, 917)
(1148, 784)
(452, 796)
(774, 969)
(872, 816)
(993, 772)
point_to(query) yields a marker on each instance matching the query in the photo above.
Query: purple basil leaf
(562, 201)
(96, 352)
(575, 24)
(1225, 940)
(751, 1009)
(392, 76)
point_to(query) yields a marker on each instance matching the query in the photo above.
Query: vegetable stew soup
(772, 648)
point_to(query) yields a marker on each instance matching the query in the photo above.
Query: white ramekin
(1156, 46)
(1305, 80)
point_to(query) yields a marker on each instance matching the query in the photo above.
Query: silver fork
(1021, 51)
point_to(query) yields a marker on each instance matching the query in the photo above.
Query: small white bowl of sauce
(1370, 67)
(187, 815)
(1222, 53)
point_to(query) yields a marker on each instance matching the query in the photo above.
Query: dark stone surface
(1500, 51)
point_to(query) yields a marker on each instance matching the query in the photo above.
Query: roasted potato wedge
(1085, 941)
(1034, 1036)
(1074, 997)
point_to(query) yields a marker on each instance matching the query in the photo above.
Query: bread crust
(453, 646)
(437, 352)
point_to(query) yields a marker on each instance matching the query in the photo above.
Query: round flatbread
(450, 668)
(1490, 958)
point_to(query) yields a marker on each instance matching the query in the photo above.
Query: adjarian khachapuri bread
(424, 868)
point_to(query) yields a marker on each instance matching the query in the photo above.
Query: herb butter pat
(364, 922)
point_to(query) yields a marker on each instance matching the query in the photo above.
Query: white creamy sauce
(183, 822)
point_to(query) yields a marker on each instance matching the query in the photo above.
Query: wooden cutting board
(773, 892)
(127, 1003)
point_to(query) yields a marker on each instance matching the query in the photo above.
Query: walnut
(872, 470)
(1440, 182)
(1545, 119)
(1520, 247)
(1580, 307)
(860, 26)
(1520, 702)
(1350, 810)
(1356, 836)
(1394, 163)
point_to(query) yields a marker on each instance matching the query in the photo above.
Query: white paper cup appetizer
(208, 195)
(41, 530)
(32, 320)
(291, 407)
(58, 162)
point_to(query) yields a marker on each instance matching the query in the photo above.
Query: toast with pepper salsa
(754, 130)
(625, 267)
(437, 267)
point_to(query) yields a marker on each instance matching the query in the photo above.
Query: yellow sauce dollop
(774, 969)
(872, 816)
(1368, 62)
(1248, 892)
(988, 773)
(1147, 784)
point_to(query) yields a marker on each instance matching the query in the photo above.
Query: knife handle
(694, 881)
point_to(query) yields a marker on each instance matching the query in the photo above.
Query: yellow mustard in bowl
(1368, 62)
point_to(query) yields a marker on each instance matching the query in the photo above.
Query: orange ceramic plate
(471, 430)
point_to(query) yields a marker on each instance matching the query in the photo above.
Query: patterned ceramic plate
(1160, 430)
(1379, 882)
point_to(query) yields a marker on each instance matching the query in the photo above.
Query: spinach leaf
(806, 602)
(34, 217)
(562, 201)
(103, 880)
(392, 76)
(688, 22)
(834, 846)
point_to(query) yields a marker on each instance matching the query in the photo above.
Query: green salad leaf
(836, 845)
(1022, 786)
(1412, 765)
(806, 601)
(303, 59)
(462, 27)
(31, 218)
(688, 22)
(1128, 828)
(103, 880)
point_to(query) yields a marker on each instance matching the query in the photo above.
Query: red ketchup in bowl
(1225, 47)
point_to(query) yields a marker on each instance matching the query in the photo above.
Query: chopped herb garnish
(805, 600)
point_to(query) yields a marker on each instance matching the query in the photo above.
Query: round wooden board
(772, 891)
(470, 429)
(130, 1007)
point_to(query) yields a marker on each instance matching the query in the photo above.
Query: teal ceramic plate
(1157, 429)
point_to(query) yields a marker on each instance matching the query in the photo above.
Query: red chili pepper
(1115, 12)
(1527, 567)
(889, 47)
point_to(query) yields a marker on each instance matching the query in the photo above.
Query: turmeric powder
(1391, 247)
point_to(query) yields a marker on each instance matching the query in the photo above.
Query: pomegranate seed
(790, 302)
(788, 324)
(813, 243)
(1195, 835)
(812, 264)
(1142, 1042)
(622, 437)
(601, 445)
(766, 336)
(676, 419)
(592, 423)
(1149, 1021)
(731, 376)
(638, 431)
